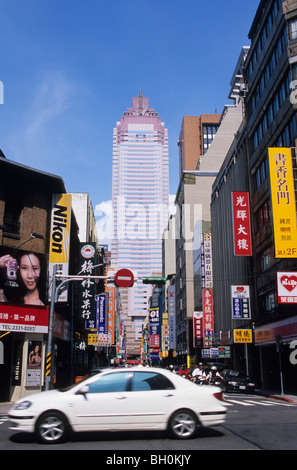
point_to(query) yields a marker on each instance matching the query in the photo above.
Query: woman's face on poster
(29, 270)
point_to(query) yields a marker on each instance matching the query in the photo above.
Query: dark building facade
(25, 221)
(269, 120)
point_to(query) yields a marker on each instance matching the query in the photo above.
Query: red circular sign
(124, 278)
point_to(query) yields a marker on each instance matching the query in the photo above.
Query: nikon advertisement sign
(60, 239)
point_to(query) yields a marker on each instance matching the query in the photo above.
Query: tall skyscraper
(140, 193)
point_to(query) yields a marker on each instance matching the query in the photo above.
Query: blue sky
(70, 69)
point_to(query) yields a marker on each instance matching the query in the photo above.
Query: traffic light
(154, 280)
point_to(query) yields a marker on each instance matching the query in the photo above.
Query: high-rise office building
(140, 192)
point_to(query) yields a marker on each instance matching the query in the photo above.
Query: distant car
(220, 367)
(237, 381)
(120, 399)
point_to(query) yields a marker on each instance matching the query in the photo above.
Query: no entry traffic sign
(124, 278)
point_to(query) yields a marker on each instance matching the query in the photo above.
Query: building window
(209, 131)
(12, 214)
(293, 29)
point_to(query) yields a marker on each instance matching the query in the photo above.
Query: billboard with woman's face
(22, 277)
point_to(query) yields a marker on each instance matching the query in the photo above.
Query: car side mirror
(83, 391)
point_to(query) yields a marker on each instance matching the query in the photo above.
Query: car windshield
(236, 373)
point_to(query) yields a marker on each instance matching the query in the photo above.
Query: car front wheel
(51, 428)
(183, 424)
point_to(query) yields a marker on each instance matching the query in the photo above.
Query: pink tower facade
(140, 193)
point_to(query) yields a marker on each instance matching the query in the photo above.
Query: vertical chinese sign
(206, 261)
(240, 302)
(101, 313)
(60, 239)
(198, 329)
(171, 317)
(207, 302)
(283, 202)
(87, 262)
(154, 317)
(241, 224)
(111, 304)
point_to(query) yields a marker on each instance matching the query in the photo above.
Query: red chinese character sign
(207, 300)
(241, 224)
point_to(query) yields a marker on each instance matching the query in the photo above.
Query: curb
(280, 397)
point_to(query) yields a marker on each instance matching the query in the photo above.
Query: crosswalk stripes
(249, 402)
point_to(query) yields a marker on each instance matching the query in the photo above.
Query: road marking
(244, 403)
(261, 403)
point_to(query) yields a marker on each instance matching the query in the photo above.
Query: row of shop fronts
(45, 312)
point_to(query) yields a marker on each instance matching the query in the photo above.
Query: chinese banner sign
(283, 202)
(240, 302)
(155, 331)
(110, 290)
(171, 317)
(101, 313)
(87, 286)
(206, 261)
(198, 328)
(241, 224)
(207, 300)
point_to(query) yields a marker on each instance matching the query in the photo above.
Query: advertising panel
(24, 318)
(60, 239)
(155, 328)
(86, 290)
(283, 202)
(34, 364)
(241, 224)
(240, 302)
(101, 313)
(198, 328)
(243, 336)
(22, 277)
(287, 287)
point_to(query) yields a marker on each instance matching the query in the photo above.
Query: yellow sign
(60, 228)
(93, 339)
(283, 202)
(243, 336)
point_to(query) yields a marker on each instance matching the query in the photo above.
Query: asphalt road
(253, 423)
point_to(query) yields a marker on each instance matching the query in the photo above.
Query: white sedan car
(121, 399)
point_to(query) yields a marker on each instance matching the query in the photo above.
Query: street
(253, 423)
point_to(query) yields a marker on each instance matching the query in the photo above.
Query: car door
(153, 397)
(104, 404)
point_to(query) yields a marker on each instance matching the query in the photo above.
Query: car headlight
(23, 405)
(233, 384)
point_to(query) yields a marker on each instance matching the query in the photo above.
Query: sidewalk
(5, 406)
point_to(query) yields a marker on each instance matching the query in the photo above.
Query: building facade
(268, 75)
(196, 135)
(140, 191)
(25, 233)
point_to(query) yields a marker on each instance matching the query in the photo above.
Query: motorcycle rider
(214, 375)
(199, 375)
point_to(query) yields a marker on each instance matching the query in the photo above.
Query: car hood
(40, 397)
